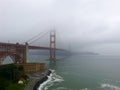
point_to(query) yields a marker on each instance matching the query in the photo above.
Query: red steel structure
(19, 52)
(52, 45)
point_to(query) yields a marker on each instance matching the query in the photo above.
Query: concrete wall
(33, 67)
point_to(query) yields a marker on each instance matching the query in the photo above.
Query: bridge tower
(52, 45)
(26, 51)
(21, 53)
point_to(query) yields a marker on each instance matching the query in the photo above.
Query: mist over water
(81, 72)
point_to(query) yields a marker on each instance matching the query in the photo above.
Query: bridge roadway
(12, 46)
(19, 52)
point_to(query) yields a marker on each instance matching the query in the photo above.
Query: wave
(53, 78)
(85, 89)
(109, 86)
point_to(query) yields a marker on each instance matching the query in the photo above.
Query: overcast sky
(85, 25)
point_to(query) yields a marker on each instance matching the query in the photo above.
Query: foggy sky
(84, 25)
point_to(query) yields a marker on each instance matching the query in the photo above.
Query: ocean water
(82, 73)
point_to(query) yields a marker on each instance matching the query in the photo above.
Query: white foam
(112, 87)
(57, 78)
(61, 88)
(44, 83)
(85, 89)
(51, 80)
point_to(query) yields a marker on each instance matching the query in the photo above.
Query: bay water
(82, 72)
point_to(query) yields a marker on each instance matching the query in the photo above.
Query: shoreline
(43, 79)
(36, 79)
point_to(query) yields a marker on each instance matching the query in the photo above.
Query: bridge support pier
(26, 51)
(21, 54)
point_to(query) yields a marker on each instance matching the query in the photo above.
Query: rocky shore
(36, 79)
(43, 79)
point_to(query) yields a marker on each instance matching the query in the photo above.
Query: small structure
(21, 81)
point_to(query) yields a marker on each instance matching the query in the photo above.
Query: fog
(83, 25)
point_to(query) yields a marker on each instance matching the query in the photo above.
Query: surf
(52, 79)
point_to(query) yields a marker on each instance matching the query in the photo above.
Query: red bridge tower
(52, 45)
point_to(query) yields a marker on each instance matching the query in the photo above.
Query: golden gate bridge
(19, 52)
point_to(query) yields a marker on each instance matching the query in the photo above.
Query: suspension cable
(37, 37)
(34, 37)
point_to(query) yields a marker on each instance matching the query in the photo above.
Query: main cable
(32, 40)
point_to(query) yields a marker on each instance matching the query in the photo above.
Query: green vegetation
(15, 86)
(9, 76)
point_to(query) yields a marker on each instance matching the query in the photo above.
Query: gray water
(86, 72)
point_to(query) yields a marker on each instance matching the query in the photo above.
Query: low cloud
(86, 25)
